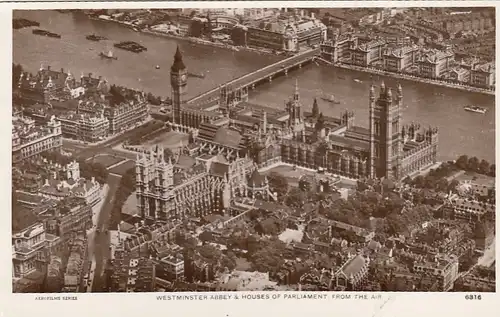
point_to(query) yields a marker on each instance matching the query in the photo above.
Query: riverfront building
(433, 64)
(385, 149)
(47, 85)
(29, 140)
(282, 33)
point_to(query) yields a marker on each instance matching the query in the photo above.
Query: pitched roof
(257, 179)
(178, 63)
(219, 169)
(354, 265)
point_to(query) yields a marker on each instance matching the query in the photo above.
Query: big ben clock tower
(178, 80)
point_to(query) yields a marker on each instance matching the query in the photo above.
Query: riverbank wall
(192, 40)
(410, 78)
(338, 65)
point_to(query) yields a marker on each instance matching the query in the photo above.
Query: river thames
(461, 132)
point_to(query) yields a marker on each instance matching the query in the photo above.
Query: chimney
(62, 70)
(48, 67)
(90, 75)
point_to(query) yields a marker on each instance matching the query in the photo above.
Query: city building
(433, 64)
(173, 266)
(55, 281)
(71, 184)
(385, 149)
(460, 75)
(353, 273)
(71, 216)
(483, 75)
(29, 250)
(282, 34)
(471, 210)
(444, 269)
(185, 187)
(77, 262)
(132, 274)
(127, 114)
(336, 49)
(84, 127)
(399, 59)
(48, 84)
(29, 140)
(366, 54)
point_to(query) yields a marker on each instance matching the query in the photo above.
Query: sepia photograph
(244, 149)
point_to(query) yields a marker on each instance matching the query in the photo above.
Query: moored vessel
(46, 33)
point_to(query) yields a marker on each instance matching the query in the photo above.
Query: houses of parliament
(233, 138)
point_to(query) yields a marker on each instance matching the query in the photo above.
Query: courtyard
(122, 168)
(167, 140)
(106, 159)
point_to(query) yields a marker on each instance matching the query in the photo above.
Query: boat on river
(196, 75)
(331, 99)
(358, 81)
(475, 109)
(95, 38)
(46, 33)
(109, 55)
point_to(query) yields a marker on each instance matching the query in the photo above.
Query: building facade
(29, 140)
(126, 115)
(29, 250)
(88, 128)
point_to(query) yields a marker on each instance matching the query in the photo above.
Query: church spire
(178, 63)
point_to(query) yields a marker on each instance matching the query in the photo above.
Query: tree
(315, 108)
(484, 167)
(278, 183)
(473, 164)
(492, 170)
(462, 162)
(206, 236)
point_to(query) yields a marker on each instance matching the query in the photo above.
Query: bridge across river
(264, 74)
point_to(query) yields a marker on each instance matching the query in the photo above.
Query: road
(85, 151)
(486, 259)
(101, 241)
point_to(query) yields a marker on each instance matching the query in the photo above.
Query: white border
(391, 304)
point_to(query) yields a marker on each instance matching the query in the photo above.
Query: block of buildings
(444, 270)
(29, 140)
(132, 274)
(77, 262)
(353, 273)
(67, 182)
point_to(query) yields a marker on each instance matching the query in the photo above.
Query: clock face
(183, 77)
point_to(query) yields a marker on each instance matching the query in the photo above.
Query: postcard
(334, 158)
